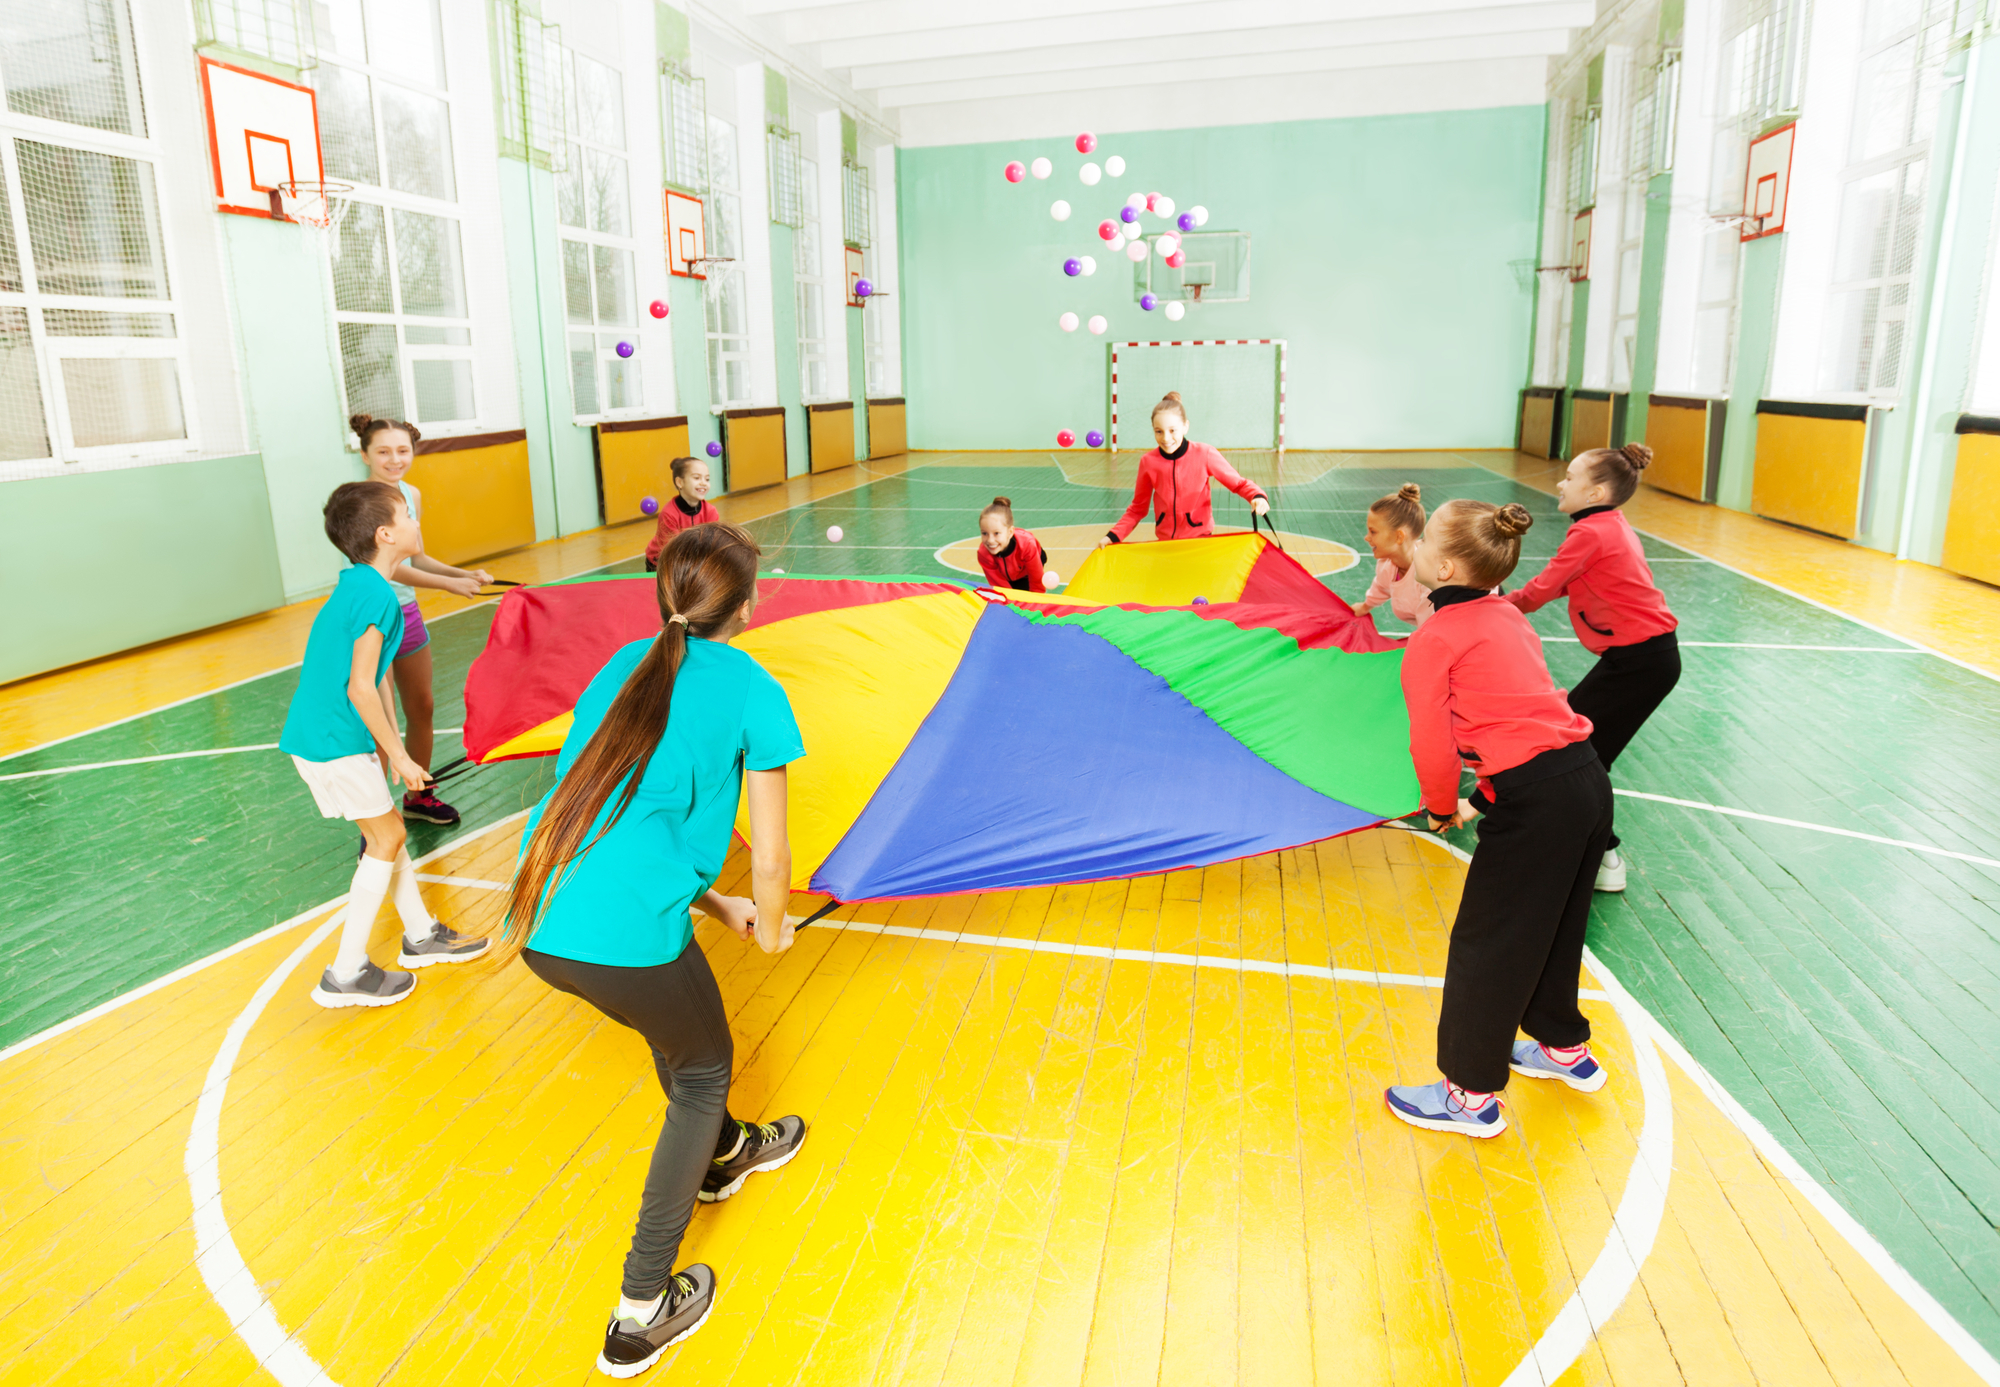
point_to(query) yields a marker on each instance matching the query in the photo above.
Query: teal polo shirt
(625, 901)
(321, 724)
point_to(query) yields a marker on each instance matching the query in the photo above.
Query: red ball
(1016, 171)
(1152, 202)
(1177, 259)
(1085, 142)
(1065, 437)
(658, 308)
(1108, 230)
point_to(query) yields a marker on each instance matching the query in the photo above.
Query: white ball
(1041, 168)
(1059, 210)
(1167, 245)
(1051, 578)
(1137, 202)
(834, 533)
(1097, 324)
(1164, 205)
(1200, 215)
(1135, 251)
(1115, 166)
(1067, 322)
(1090, 173)
(777, 570)
(1090, 264)
(1176, 310)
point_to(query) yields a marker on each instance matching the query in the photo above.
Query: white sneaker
(1611, 872)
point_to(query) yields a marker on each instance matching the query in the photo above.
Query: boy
(339, 719)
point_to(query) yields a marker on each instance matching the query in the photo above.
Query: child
(686, 725)
(689, 507)
(1009, 558)
(388, 448)
(1394, 522)
(1174, 479)
(340, 716)
(1478, 689)
(1614, 607)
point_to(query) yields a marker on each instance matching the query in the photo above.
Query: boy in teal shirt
(341, 716)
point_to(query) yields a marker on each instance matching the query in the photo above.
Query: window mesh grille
(93, 222)
(530, 89)
(23, 434)
(75, 64)
(856, 206)
(280, 30)
(786, 176)
(684, 112)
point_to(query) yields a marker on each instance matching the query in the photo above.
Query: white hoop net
(317, 205)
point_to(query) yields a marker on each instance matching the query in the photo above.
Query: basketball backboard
(262, 132)
(1216, 269)
(687, 241)
(1579, 246)
(1767, 180)
(857, 270)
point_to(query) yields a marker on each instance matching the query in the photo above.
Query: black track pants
(678, 1008)
(1621, 691)
(1517, 944)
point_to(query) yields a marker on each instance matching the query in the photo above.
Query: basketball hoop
(317, 204)
(694, 260)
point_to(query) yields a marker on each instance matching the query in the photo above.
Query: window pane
(419, 143)
(721, 154)
(621, 375)
(583, 373)
(403, 38)
(437, 336)
(1861, 249)
(609, 212)
(429, 266)
(598, 102)
(576, 282)
(572, 202)
(338, 27)
(737, 375)
(93, 223)
(715, 391)
(10, 255)
(361, 262)
(368, 361)
(725, 220)
(443, 390)
(86, 322)
(346, 124)
(71, 60)
(810, 327)
(614, 284)
(728, 312)
(23, 430)
(122, 400)
(1882, 102)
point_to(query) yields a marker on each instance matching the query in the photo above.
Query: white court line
(473, 882)
(1812, 828)
(171, 756)
(1768, 645)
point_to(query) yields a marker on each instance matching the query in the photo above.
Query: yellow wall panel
(1678, 436)
(635, 460)
(886, 436)
(1589, 425)
(1538, 418)
(755, 439)
(477, 499)
(830, 436)
(1972, 529)
(1809, 472)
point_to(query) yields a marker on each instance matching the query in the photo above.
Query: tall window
(593, 203)
(92, 361)
(810, 286)
(727, 298)
(399, 292)
(684, 130)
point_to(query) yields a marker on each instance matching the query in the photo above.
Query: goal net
(1234, 391)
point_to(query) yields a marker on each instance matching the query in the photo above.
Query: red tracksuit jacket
(1017, 566)
(1479, 693)
(675, 517)
(1602, 569)
(1179, 487)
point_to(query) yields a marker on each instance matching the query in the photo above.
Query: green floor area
(1844, 990)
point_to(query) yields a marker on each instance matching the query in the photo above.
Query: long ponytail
(706, 575)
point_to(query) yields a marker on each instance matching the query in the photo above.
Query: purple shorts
(415, 634)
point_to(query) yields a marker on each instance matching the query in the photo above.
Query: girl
(388, 447)
(1175, 475)
(1478, 689)
(689, 507)
(1615, 608)
(1009, 558)
(1394, 522)
(633, 834)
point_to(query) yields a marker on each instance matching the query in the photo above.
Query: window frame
(811, 349)
(719, 356)
(604, 338)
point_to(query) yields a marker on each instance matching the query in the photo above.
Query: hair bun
(1638, 454)
(416, 434)
(1003, 501)
(358, 422)
(1410, 491)
(1512, 520)
(1173, 395)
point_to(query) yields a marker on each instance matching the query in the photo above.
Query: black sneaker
(766, 1146)
(374, 987)
(630, 1347)
(428, 807)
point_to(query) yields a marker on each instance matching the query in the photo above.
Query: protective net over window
(72, 61)
(857, 206)
(529, 89)
(785, 170)
(1233, 392)
(280, 30)
(684, 117)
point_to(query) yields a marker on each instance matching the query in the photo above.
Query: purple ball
(1072, 267)
(1149, 302)
(714, 450)
(1095, 438)
(1128, 214)
(624, 349)
(862, 288)
(1185, 221)
(1201, 602)
(648, 506)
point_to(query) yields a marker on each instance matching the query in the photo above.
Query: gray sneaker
(375, 987)
(442, 945)
(765, 1146)
(630, 1347)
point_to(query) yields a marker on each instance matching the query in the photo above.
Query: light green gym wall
(1756, 328)
(857, 371)
(690, 330)
(1380, 250)
(785, 332)
(1652, 288)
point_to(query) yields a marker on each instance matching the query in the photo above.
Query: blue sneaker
(1531, 1059)
(1432, 1107)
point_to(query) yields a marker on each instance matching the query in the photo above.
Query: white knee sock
(409, 899)
(364, 902)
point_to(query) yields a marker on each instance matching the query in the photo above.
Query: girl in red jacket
(1009, 558)
(1173, 479)
(1616, 610)
(689, 507)
(1479, 693)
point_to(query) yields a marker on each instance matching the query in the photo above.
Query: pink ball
(658, 308)
(1065, 437)
(1152, 201)
(1016, 171)
(1085, 142)
(1108, 230)
(1177, 259)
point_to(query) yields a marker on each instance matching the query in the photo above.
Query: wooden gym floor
(1129, 1132)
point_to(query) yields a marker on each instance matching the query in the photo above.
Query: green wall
(857, 370)
(1652, 289)
(785, 333)
(1756, 329)
(172, 548)
(685, 309)
(1379, 251)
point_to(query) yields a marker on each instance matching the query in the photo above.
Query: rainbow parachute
(961, 740)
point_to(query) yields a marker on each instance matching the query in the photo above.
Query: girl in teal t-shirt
(634, 834)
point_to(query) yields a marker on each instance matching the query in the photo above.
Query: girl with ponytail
(1615, 607)
(632, 836)
(1010, 558)
(1479, 694)
(1394, 522)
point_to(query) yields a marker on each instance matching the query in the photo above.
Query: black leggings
(1621, 691)
(678, 1009)
(1517, 944)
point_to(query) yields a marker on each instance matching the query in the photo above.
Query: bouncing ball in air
(834, 533)
(1149, 302)
(1175, 311)
(1041, 168)
(1097, 324)
(1108, 230)
(1085, 142)
(658, 308)
(1059, 210)
(714, 450)
(1067, 322)
(1095, 438)
(862, 288)
(1016, 171)
(1072, 267)
(625, 349)
(1090, 173)
(1115, 166)
(648, 506)
(1065, 437)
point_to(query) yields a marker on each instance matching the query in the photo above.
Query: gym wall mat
(477, 497)
(1540, 408)
(886, 435)
(754, 442)
(1685, 435)
(1808, 467)
(635, 459)
(829, 436)
(1589, 420)
(1972, 526)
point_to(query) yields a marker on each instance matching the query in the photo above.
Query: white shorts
(351, 788)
